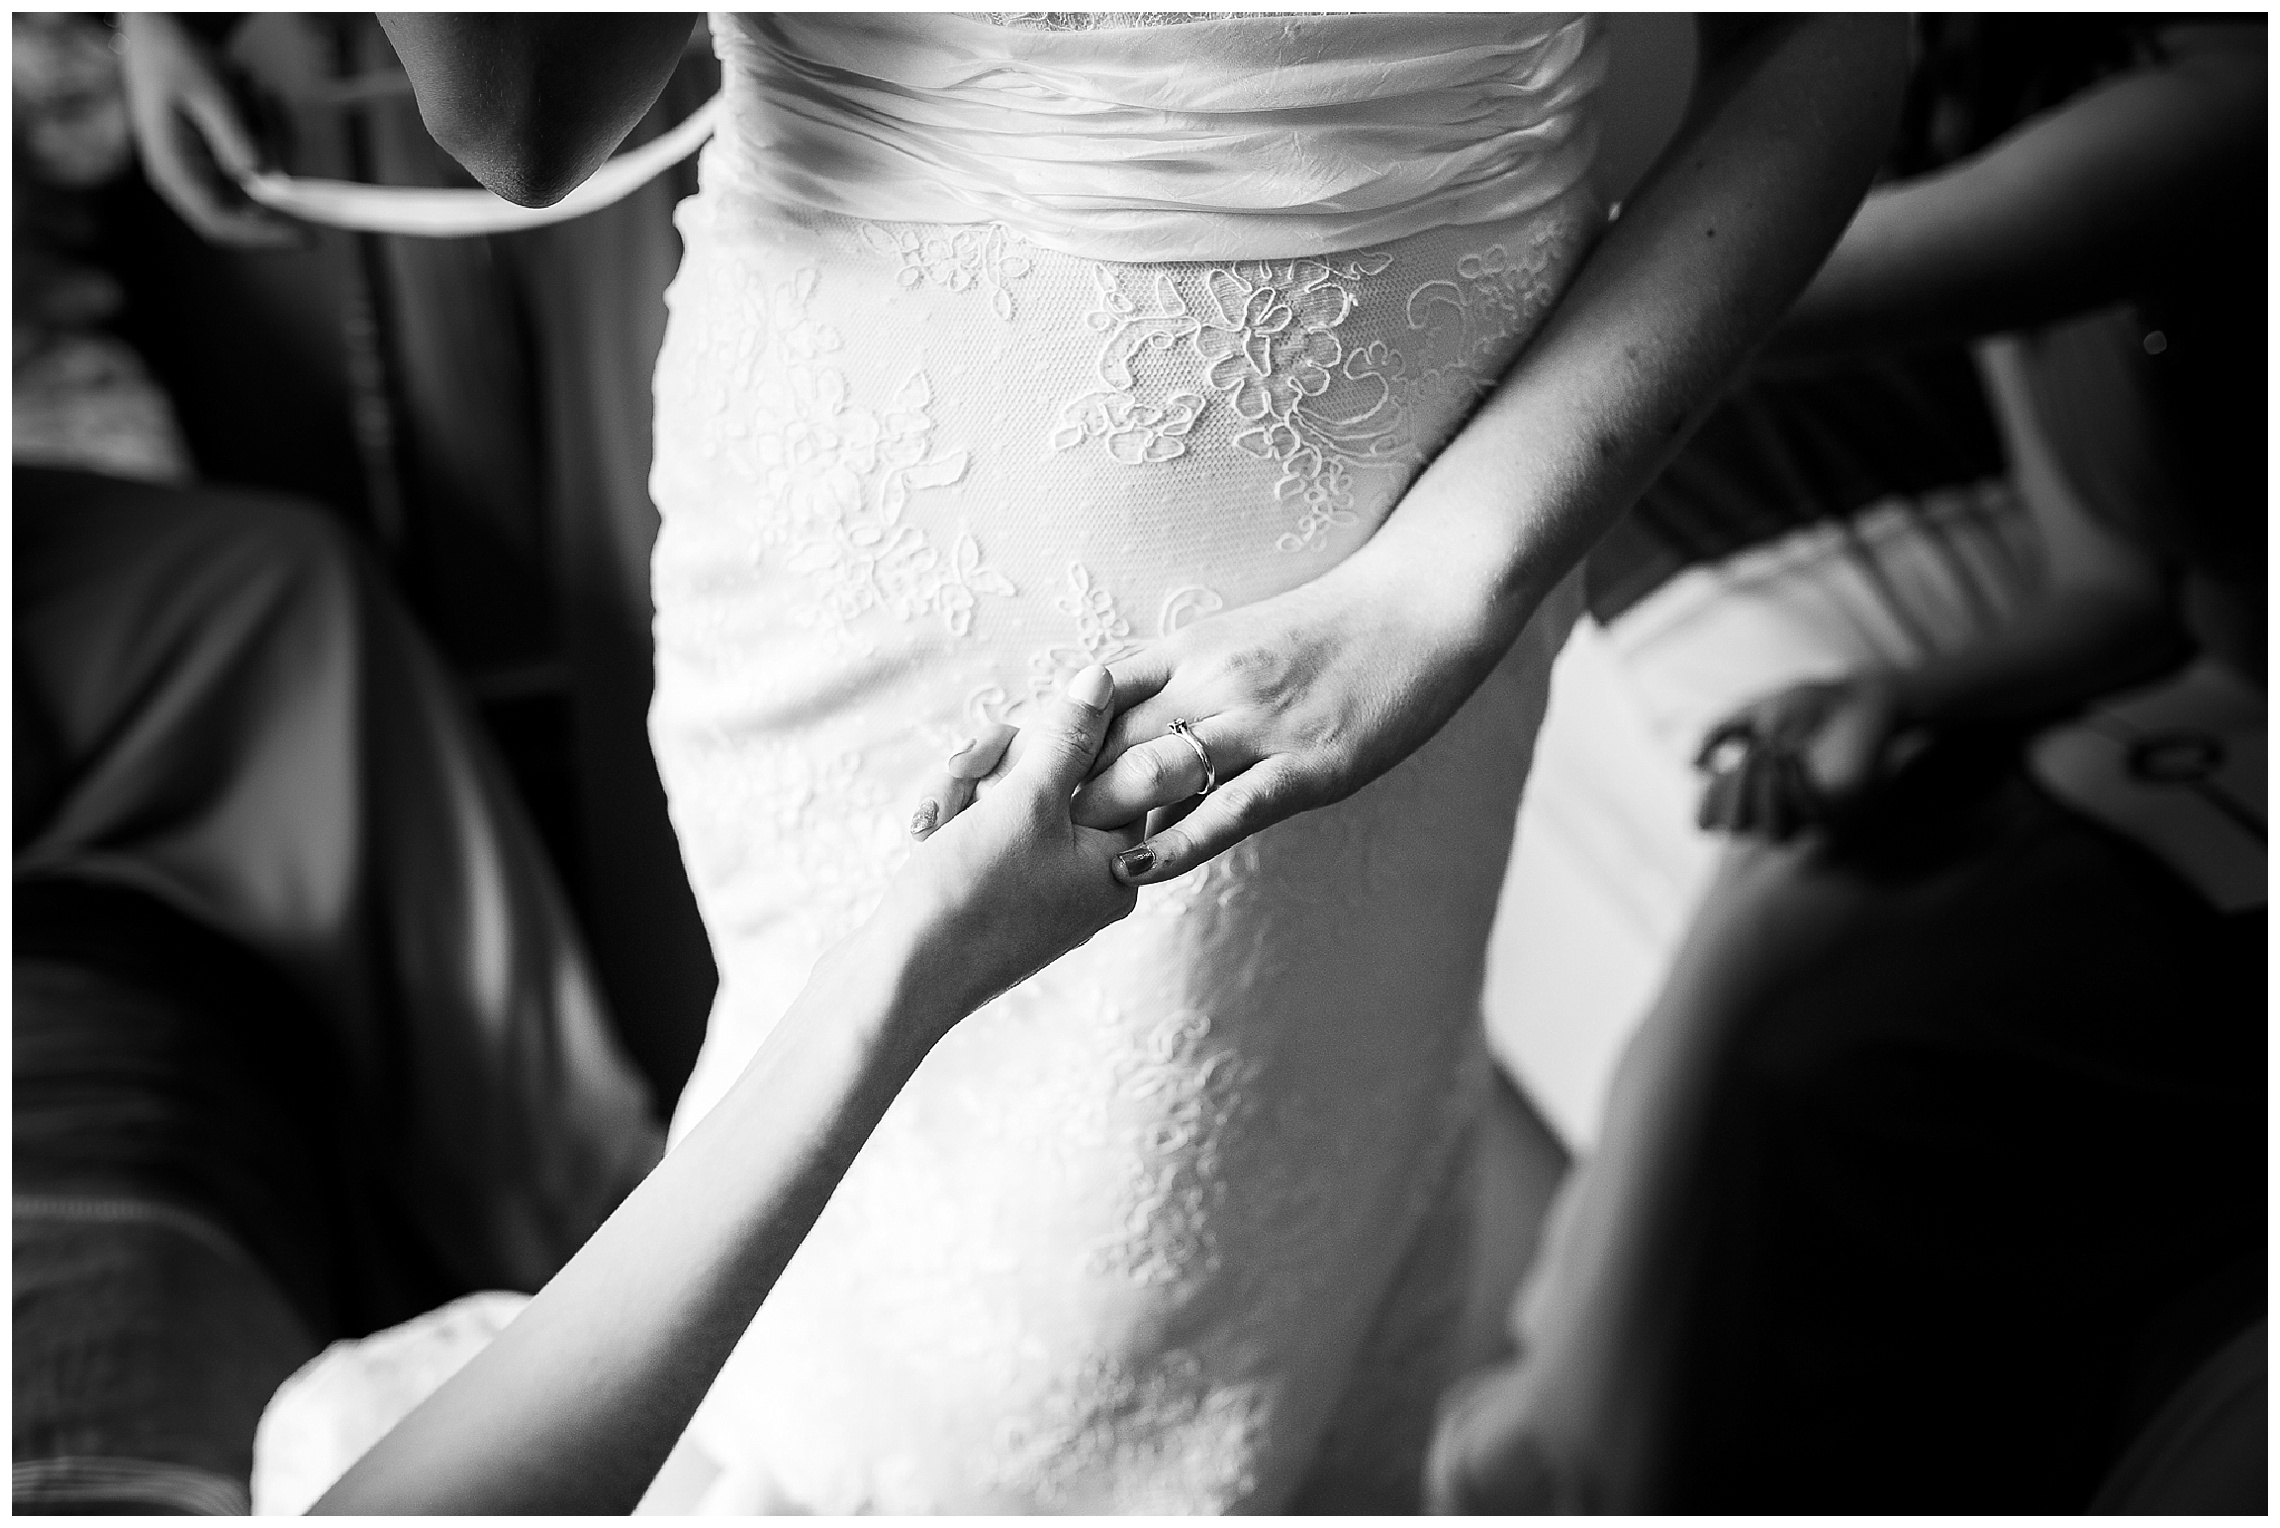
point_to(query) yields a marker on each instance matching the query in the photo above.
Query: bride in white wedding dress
(1001, 349)
(1136, 1227)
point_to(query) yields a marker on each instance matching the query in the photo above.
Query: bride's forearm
(1313, 694)
(1719, 240)
(576, 1404)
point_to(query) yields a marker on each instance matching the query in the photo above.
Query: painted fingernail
(1092, 687)
(1134, 863)
(922, 820)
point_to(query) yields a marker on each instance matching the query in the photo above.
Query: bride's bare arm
(531, 103)
(1304, 698)
(576, 1404)
(1727, 229)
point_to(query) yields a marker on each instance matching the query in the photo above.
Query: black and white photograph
(1361, 762)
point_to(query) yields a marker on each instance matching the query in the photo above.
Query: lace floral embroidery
(1465, 324)
(956, 258)
(1151, 1105)
(1186, 605)
(1100, 21)
(839, 478)
(1103, 635)
(1113, 1250)
(819, 819)
(1168, 1439)
(1265, 341)
(1188, 1099)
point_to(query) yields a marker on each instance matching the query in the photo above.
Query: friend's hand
(1811, 752)
(1004, 882)
(1297, 701)
(192, 141)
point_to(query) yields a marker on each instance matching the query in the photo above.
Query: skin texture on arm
(533, 103)
(1304, 698)
(1706, 257)
(2077, 208)
(577, 1403)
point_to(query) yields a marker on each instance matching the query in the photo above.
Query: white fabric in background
(344, 1400)
(1608, 867)
(339, 1404)
(2178, 766)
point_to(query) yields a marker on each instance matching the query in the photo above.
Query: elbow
(507, 99)
(508, 153)
(531, 104)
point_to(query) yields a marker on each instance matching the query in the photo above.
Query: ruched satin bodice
(943, 417)
(1238, 138)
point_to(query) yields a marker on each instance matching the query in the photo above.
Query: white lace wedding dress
(1000, 349)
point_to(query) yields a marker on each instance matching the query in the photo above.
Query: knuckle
(1266, 794)
(1251, 806)
(1325, 732)
(1108, 764)
(1252, 661)
(1153, 773)
(1099, 806)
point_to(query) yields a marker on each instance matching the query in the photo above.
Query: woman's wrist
(1451, 612)
(875, 985)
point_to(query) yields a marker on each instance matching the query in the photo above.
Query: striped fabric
(86, 1483)
(113, 1209)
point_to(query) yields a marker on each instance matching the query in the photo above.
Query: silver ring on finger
(1184, 730)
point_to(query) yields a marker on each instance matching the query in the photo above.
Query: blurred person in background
(305, 1040)
(478, 405)
(1935, 1178)
(80, 395)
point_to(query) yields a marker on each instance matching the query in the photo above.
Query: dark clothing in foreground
(305, 1041)
(1981, 1174)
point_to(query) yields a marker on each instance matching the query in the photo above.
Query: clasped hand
(1812, 753)
(1298, 701)
(1006, 881)
(1034, 839)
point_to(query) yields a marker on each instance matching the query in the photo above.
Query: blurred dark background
(478, 410)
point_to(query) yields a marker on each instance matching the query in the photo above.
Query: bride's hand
(1004, 882)
(1296, 701)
